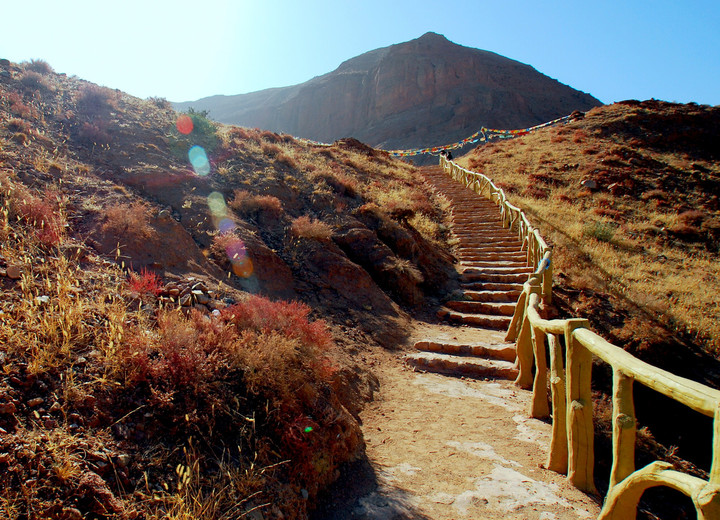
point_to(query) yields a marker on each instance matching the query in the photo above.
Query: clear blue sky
(184, 50)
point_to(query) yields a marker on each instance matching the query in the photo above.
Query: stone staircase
(492, 272)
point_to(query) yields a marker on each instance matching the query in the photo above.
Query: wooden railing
(539, 255)
(570, 340)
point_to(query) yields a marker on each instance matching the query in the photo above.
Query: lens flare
(226, 225)
(216, 203)
(199, 160)
(184, 124)
(243, 268)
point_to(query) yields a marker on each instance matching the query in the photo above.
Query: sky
(185, 50)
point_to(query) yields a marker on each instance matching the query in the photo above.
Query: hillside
(189, 310)
(425, 92)
(628, 195)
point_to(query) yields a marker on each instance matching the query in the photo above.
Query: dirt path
(442, 447)
(446, 448)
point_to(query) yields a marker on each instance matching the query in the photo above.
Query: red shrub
(43, 213)
(145, 282)
(288, 318)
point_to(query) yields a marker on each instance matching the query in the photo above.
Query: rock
(14, 272)
(70, 513)
(7, 408)
(589, 184)
(37, 401)
(200, 297)
(123, 460)
(186, 300)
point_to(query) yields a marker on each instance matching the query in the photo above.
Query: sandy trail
(444, 448)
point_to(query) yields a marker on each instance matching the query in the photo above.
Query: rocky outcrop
(424, 92)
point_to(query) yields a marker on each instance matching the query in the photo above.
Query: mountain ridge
(424, 92)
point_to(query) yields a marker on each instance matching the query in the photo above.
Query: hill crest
(423, 92)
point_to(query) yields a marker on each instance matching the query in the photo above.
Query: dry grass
(644, 241)
(128, 221)
(307, 227)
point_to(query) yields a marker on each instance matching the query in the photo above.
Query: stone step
(490, 286)
(503, 351)
(493, 296)
(476, 320)
(491, 257)
(462, 366)
(498, 269)
(491, 263)
(485, 242)
(494, 278)
(476, 307)
(462, 248)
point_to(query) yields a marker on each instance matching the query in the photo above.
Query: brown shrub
(535, 192)
(19, 108)
(692, 217)
(129, 221)
(272, 137)
(39, 66)
(579, 136)
(94, 100)
(655, 195)
(95, 133)
(34, 81)
(306, 227)
(270, 149)
(19, 125)
(250, 205)
(287, 160)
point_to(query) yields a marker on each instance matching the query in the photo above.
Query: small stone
(37, 401)
(123, 460)
(173, 291)
(14, 272)
(589, 184)
(70, 513)
(186, 300)
(81, 361)
(56, 407)
(201, 297)
(4, 458)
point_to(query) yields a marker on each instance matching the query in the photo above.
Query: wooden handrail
(572, 436)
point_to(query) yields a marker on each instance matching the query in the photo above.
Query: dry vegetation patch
(149, 383)
(631, 208)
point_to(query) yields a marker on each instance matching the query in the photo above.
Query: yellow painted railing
(571, 445)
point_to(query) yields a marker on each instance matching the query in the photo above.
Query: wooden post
(524, 352)
(518, 317)
(540, 407)
(579, 405)
(715, 466)
(558, 457)
(624, 427)
(548, 280)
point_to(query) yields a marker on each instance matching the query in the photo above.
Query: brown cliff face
(425, 92)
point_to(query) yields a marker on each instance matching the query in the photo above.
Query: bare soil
(443, 448)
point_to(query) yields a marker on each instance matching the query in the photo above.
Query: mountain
(425, 92)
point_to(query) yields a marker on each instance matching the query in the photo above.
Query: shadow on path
(361, 494)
